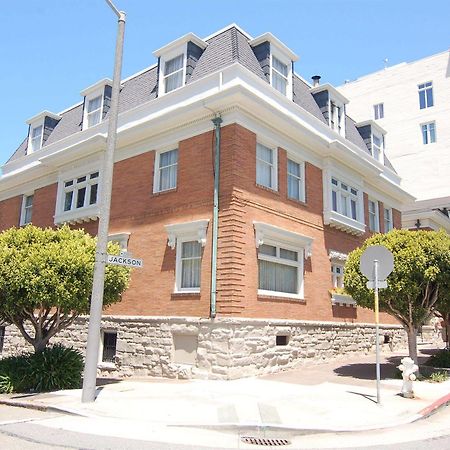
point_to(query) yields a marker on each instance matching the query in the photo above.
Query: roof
(228, 46)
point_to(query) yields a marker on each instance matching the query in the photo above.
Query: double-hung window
(27, 209)
(426, 95)
(279, 75)
(279, 270)
(388, 222)
(337, 275)
(190, 264)
(344, 199)
(36, 138)
(266, 166)
(378, 111)
(295, 180)
(94, 110)
(377, 146)
(428, 133)
(166, 167)
(173, 73)
(374, 221)
(80, 192)
(335, 117)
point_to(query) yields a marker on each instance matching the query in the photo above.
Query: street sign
(381, 284)
(384, 258)
(122, 260)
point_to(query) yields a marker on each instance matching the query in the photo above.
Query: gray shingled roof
(224, 49)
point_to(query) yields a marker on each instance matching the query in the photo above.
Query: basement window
(109, 346)
(282, 339)
(2, 338)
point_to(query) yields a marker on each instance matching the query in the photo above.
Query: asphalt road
(25, 429)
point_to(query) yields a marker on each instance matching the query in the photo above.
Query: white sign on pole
(381, 284)
(121, 260)
(384, 258)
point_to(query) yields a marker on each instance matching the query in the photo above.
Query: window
(94, 111)
(429, 133)
(337, 275)
(377, 146)
(109, 346)
(278, 270)
(166, 171)
(173, 73)
(282, 339)
(378, 111)
(374, 221)
(295, 180)
(27, 209)
(266, 166)
(188, 239)
(2, 338)
(426, 95)
(388, 224)
(335, 117)
(36, 138)
(344, 199)
(80, 192)
(279, 75)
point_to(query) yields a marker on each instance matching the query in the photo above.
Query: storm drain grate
(264, 441)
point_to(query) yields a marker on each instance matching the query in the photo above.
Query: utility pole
(93, 341)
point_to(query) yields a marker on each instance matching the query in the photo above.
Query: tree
(419, 282)
(46, 279)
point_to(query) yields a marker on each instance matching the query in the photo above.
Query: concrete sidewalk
(336, 396)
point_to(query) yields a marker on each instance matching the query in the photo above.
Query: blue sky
(53, 49)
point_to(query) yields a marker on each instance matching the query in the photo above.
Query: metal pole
(93, 341)
(377, 332)
(216, 121)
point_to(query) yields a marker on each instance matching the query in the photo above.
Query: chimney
(316, 80)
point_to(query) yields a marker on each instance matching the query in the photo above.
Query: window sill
(268, 189)
(342, 300)
(167, 191)
(178, 295)
(106, 365)
(279, 297)
(297, 202)
(344, 223)
(78, 215)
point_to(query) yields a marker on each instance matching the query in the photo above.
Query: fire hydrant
(408, 368)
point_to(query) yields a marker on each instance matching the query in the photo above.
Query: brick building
(300, 186)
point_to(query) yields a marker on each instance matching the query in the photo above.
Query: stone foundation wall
(223, 348)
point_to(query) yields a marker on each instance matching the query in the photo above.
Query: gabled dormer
(97, 101)
(40, 128)
(276, 60)
(373, 136)
(332, 104)
(176, 62)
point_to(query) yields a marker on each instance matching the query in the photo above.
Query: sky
(53, 49)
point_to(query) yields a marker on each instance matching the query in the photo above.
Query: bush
(438, 377)
(55, 368)
(440, 359)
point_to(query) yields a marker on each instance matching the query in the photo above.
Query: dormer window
(177, 62)
(173, 73)
(276, 62)
(279, 75)
(336, 116)
(97, 100)
(377, 146)
(36, 138)
(373, 136)
(93, 113)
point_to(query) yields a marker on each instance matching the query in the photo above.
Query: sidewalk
(335, 396)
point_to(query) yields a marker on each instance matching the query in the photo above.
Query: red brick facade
(137, 210)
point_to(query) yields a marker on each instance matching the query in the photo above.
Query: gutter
(216, 121)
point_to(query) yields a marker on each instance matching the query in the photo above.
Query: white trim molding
(195, 230)
(264, 231)
(121, 239)
(334, 255)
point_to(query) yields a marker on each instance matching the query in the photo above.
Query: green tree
(46, 279)
(419, 283)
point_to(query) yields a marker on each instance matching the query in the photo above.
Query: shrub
(55, 368)
(438, 377)
(440, 359)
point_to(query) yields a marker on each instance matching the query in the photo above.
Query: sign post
(376, 263)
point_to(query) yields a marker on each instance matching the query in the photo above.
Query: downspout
(216, 121)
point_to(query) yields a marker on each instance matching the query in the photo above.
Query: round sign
(385, 262)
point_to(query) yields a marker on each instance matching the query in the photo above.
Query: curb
(435, 406)
(39, 407)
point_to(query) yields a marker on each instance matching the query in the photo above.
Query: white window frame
(177, 51)
(378, 111)
(289, 240)
(156, 173)
(31, 140)
(335, 218)
(301, 180)
(346, 196)
(334, 106)
(337, 275)
(88, 114)
(426, 128)
(390, 216)
(25, 208)
(375, 215)
(274, 52)
(380, 148)
(186, 232)
(423, 88)
(273, 166)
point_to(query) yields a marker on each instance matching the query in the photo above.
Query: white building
(411, 101)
